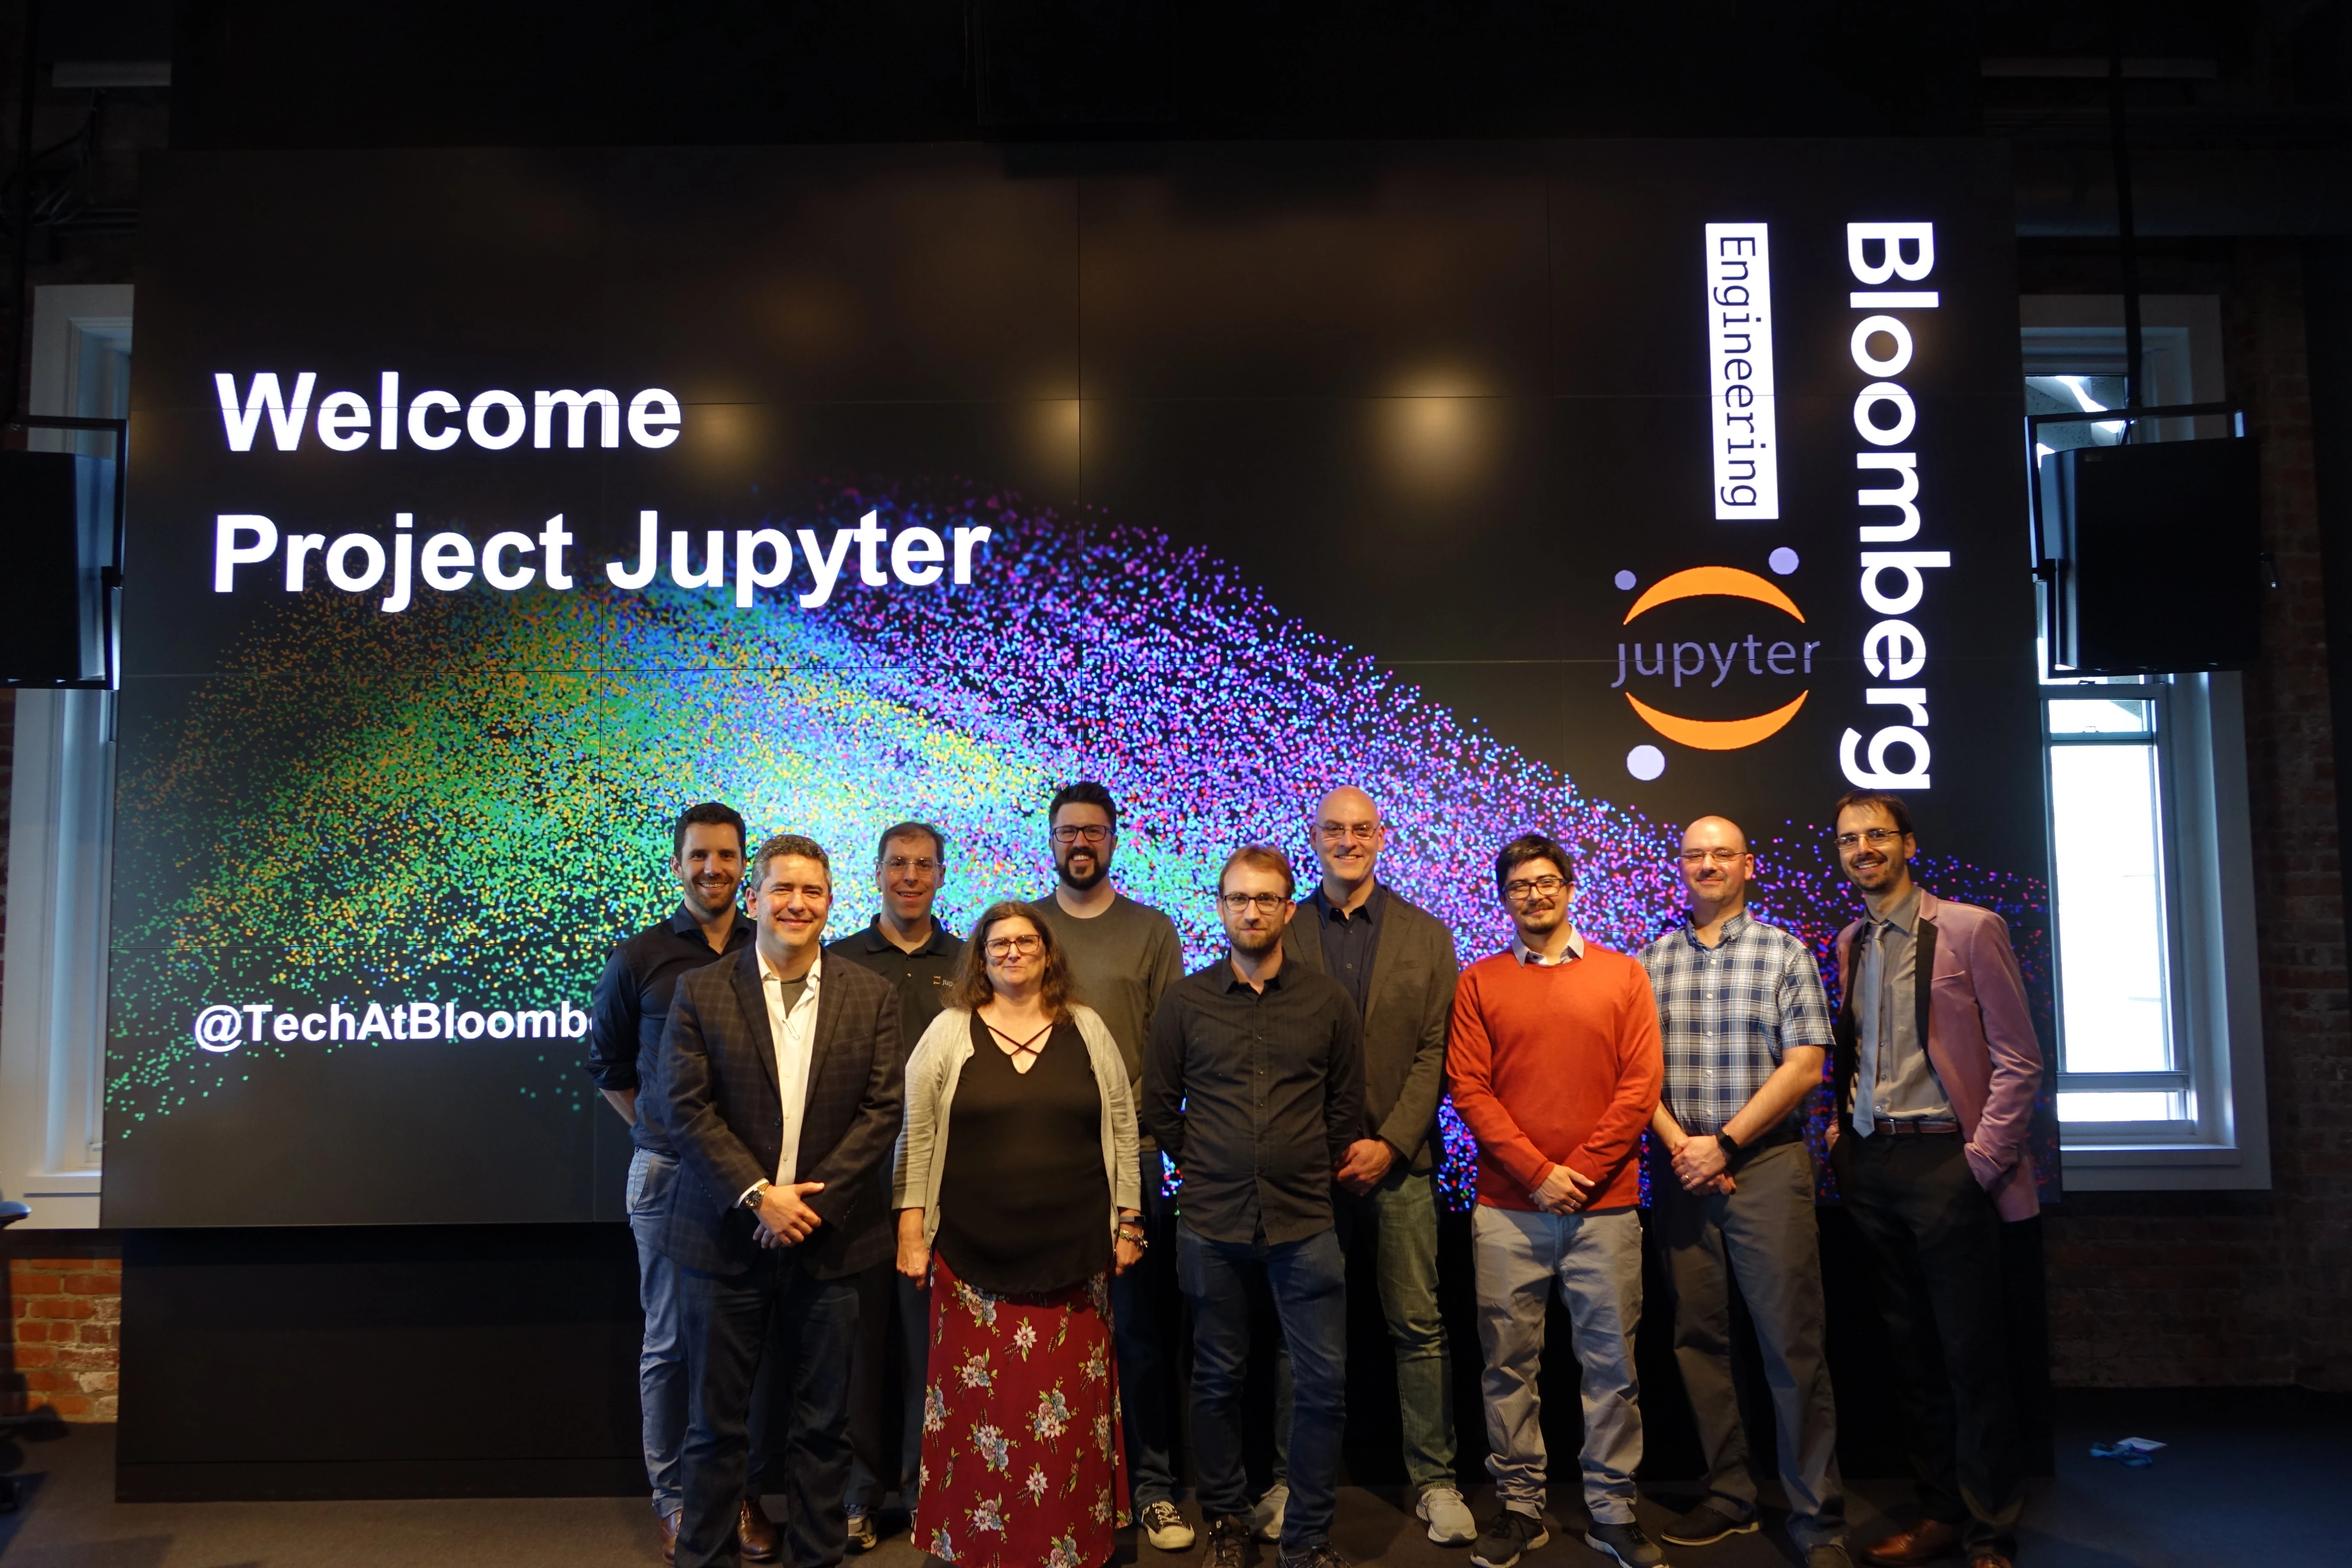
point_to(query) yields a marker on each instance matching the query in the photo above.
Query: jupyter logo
(1711, 665)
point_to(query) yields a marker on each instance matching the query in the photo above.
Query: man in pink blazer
(1937, 1068)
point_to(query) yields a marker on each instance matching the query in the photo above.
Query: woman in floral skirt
(1017, 1197)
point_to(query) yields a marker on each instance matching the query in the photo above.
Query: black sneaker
(1323, 1556)
(1706, 1524)
(1626, 1543)
(1507, 1535)
(1229, 1544)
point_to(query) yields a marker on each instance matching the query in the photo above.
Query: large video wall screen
(487, 507)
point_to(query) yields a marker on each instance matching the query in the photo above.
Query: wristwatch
(1730, 1144)
(751, 1199)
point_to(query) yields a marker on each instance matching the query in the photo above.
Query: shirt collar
(816, 969)
(1526, 955)
(1369, 909)
(1731, 928)
(1905, 916)
(933, 946)
(683, 923)
(1234, 982)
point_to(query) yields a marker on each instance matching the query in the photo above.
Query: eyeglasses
(1242, 903)
(1875, 836)
(1092, 832)
(1528, 887)
(1711, 856)
(898, 866)
(1006, 946)
(1341, 832)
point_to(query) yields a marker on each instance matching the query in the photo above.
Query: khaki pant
(1596, 1261)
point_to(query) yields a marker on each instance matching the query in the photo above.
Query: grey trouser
(1764, 1240)
(1596, 1259)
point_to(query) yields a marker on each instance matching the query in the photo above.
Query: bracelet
(1135, 1238)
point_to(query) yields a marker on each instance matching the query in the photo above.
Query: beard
(1255, 943)
(1087, 881)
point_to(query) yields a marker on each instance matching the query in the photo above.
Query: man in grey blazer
(783, 1078)
(1397, 964)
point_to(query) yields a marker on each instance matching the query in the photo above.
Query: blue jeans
(661, 1361)
(1143, 1321)
(1308, 1280)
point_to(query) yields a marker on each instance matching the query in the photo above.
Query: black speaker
(2156, 563)
(52, 510)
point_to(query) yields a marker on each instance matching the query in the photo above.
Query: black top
(1024, 1204)
(1256, 1096)
(630, 1008)
(921, 976)
(1350, 943)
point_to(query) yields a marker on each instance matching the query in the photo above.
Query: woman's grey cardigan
(933, 1074)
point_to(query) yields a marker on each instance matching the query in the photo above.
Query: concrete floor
(2248, 1478)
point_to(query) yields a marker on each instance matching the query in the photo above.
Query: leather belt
(1914, 1127)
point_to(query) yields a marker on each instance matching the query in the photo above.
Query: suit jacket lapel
(1923, 976)
(1383, 956)
(750, 995)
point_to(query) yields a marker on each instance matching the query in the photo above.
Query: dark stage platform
(2249, 1476)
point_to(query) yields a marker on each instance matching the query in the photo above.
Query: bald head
(1347, 841)
(1715, 868)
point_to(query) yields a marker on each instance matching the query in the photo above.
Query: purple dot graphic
(1625, 580)
(1784, 560)
(1645, 763)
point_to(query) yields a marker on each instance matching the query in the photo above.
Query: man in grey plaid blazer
(782, 1080)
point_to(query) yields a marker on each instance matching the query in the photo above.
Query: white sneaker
(1448, 1516)
(1266, 1517)
(1164, 1527)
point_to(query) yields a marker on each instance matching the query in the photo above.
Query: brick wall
(2170, 1289)
(65, 1322)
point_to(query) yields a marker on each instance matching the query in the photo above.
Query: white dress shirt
(1526, 955)
(793, 1037)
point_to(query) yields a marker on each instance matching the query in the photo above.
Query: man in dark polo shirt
(906, 945)
(1254, 1085)
(625, 1019)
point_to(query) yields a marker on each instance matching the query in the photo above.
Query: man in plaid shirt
(1746, 1030)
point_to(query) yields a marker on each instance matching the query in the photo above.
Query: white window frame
(53, 1003)
(2208, 838)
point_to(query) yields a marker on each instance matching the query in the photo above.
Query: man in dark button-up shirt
(627, 1016)
(906, 946)
(1253, 1084)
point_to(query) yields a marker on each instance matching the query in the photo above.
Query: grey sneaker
(1447, 1515)
(1229, 1544)
(1831, 1554)
(1509, 1534)
(1266, 1517)
(1705, 1525)
(1164, 1527)
(1626, 1543)
(863, 1536)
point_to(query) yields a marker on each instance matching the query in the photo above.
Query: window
(2159, 1035)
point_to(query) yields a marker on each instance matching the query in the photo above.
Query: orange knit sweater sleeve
(1469, 1070)
(1641, 1078)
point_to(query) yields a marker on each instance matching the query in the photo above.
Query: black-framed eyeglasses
(1522, 888)
(1242, 903)
(1874, 836)
(1071, 832)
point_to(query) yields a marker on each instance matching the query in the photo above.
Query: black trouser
(1935, 1239)
(886, 1389)
(802, 1329)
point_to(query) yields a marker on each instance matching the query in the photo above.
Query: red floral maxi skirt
(1024, 1463)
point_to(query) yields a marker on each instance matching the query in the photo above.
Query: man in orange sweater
(1555, 1066)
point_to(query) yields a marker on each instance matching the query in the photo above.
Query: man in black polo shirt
(1254, 1085)
(625, 1019)
(906, 945)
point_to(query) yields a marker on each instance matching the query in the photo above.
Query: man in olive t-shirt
(1122, 956)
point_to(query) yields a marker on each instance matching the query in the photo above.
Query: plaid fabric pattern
(1726, 1015)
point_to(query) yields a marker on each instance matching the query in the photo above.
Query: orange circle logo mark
(1716, 734)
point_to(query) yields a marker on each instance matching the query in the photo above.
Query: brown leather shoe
(756, 1536)
(669, 1538)
(1923, 1543)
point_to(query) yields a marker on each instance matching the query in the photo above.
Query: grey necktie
(1873, 982)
